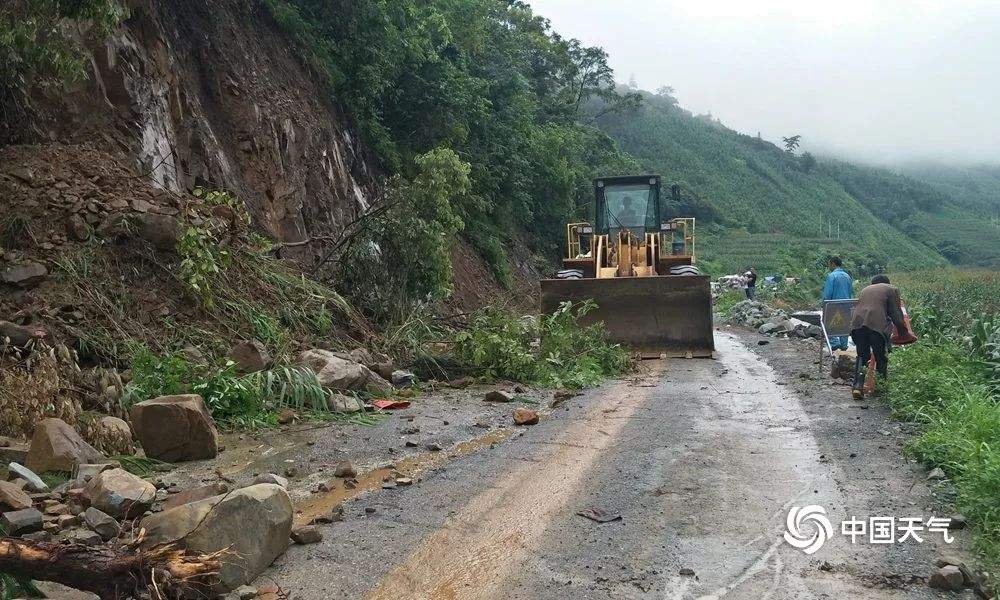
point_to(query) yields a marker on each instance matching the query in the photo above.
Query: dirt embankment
(210, 93)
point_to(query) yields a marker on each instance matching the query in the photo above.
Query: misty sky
(883, 81)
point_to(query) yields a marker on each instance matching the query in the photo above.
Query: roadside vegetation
(550, 350)
(949, 383)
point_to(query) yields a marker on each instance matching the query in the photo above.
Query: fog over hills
(881, 82)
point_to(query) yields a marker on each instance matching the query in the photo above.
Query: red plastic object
(902, 338)
(391, 404)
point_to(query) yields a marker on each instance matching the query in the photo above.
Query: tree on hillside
(791, 143)
(808, 162)
(589, 75)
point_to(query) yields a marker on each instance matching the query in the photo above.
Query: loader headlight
(585, 230)
(666, 226)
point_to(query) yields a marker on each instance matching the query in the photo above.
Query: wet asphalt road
(701, 459)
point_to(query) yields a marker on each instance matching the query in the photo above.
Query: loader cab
(631, 203)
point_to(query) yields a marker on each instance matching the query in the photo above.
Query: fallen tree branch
(164, 572)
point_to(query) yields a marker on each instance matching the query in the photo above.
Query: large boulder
(338, 373)
(120, 493)
(56, 446)
(175, 428)
(253, 524)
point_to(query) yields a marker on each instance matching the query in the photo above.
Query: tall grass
(947, 383)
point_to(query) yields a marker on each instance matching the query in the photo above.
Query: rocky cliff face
(209, 93)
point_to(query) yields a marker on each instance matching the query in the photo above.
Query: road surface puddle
(342, 490)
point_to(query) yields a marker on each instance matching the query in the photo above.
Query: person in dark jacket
(751, 278)
(877, 310)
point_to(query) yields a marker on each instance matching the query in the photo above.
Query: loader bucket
(669, 315)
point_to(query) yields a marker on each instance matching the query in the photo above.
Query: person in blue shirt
(839, 286)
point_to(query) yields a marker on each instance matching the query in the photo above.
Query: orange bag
(902, 338)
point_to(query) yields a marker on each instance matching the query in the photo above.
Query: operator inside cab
(629, 216)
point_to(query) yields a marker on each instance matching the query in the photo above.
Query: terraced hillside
(758, 204)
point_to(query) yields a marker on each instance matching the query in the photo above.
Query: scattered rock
(120, 493)
(175, 428)
(686, 572)
(194, 355)
(13, 497)
(958, 522)
(271, 478)
(20, 336)
(84, 537)
(250, 356)
(842, 366)
(244, 592)
(67, 521)
(253, 523)
(402, 378)
(56, 446)
(57, 509)
(54, 590)
(77, 229)
(753, 314)
(306, 534)
(286, 416)
(17, 522)
(338, 373)
(102, 523)
(404, 481)
(200, 493)
(770, 327)
(345, 469)
(162, 231)
(498, 396)
(344, 404)
(948, 578)
(936, 473)
(25, 275)
(525, 416)
(112, 435)
(84, 473)
(949, 559)
(33, 483)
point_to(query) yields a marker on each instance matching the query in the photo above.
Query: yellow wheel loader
(639, 267)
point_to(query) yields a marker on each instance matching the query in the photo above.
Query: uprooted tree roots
(160, 573)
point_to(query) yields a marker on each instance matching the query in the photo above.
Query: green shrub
(403, 255)
(234, 400)
(551, 350)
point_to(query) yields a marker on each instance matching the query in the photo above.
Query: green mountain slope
(759, 205)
